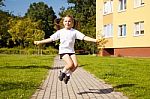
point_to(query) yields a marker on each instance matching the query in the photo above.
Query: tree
(24, 32)
(4, 35)
(41, 12)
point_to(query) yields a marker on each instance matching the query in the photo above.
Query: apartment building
(126, 26)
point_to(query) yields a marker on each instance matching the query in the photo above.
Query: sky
(19, 7)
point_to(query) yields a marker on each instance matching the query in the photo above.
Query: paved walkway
(82, 85)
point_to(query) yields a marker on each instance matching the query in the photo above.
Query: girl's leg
(72, 69)
(69, 64)
(75, 63)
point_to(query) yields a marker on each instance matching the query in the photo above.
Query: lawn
(21, 75)
(128, 75)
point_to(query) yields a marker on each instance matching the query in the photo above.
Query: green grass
(21, 75)
(128, 75)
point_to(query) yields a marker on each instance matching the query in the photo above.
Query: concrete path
(82, 85)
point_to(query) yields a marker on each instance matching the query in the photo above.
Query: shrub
(29, 51)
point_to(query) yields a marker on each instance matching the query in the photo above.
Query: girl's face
(68, 22)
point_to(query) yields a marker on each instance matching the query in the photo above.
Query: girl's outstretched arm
(43, 41)
(86, 38)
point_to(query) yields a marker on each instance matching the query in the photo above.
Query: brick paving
(82, 85)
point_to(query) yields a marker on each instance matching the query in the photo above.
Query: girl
(67, 37)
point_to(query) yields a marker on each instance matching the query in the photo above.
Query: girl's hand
(36, 42)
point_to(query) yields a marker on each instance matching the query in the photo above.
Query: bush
(29, 51)
(49, 50)
(9, 51)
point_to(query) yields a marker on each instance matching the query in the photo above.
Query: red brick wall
(139, 52)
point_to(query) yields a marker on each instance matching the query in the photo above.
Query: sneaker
(61, 76)
(66, 79)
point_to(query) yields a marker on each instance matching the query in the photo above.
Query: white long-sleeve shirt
(67, 39)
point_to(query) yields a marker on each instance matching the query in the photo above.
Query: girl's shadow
(97, 91)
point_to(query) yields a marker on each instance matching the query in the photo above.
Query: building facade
(126, 26)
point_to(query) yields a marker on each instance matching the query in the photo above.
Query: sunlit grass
(21, 75)
(128, 75)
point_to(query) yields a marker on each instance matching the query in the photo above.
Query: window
(108, 7)
(139, 28)
(138, 3)
(108, 30)
(122, 5)
(122, 30)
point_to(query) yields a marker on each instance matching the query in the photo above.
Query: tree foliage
(41, 12)
(4, 35)
(24, 32)
(38, 23)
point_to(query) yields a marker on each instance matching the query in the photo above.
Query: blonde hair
(72, 19)
(69, 17)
